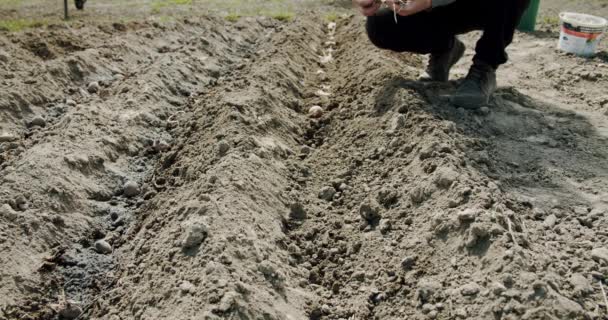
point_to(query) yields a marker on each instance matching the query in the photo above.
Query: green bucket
(528, 20)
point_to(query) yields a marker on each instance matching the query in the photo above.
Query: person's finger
(370, 10)
(413, 7)
(363, 3)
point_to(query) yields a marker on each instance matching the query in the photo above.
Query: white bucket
(581, 33)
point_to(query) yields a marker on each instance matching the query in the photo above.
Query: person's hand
(412, 7)
(367, 7)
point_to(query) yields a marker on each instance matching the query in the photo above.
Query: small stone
(427, 288)
(600, 254)
(397, 123)
(467, 215)
(161, 146)
(186, 287)
(418, 195)
(21, 203)
(427, 307)
(93, 87)
(498, 288)
(103, 247)
(370, 211)
(327, 193)
(297, 211)
(461, 313)
(385, 226)
(470, 289)
(326, 309)
(477, 233)
(70, 102)
(222, 148)
(37, 121)
(4, 57)
(70, 310)
(507, 279)
(484, 110)
(387, 197)
(131, 189)
(228, 301)
(408, 263)
(315, 112)
(8, 213)
(196, 233)
(550, 221)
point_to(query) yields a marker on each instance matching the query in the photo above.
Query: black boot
(79, 4)
(477, 88)
(440, 64)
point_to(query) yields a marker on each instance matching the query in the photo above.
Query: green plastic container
(528, 20)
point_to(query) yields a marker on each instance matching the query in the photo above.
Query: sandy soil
(159, 169)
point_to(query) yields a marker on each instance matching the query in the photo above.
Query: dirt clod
(600, 255)
(195, 234)
(445, 177)
(470, 289)
(70, 310)
(370, 211)
(222, 148)
(327, 193)
(297, 212)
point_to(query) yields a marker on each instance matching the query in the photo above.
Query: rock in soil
(297, 212)
(37, 121)
(370, 211)
(70, 310)
(103, 247)
(315, 112)
(93, 87)
(131, 189)
(470, 289)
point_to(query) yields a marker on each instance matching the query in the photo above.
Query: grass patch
(331, 17)
(14, 25)
(233, 17)
(157, 6)
(279, 15)
(551, 21)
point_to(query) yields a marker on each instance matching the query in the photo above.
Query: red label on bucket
(590, 36)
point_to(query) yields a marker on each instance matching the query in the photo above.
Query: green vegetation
(279, 15)
(232, 17)
(14, 25)
(550, 20)
(331, 17)
(158, 5)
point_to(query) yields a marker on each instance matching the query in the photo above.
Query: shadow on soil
(538, 150)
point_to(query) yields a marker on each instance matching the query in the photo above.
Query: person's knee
(378, 33)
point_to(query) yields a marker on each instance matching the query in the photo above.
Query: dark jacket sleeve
(439, 3)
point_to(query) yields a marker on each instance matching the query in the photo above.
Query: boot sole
(469, 102)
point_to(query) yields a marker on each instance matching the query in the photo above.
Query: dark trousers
(434, 31)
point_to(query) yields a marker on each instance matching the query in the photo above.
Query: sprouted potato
(401, 3)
